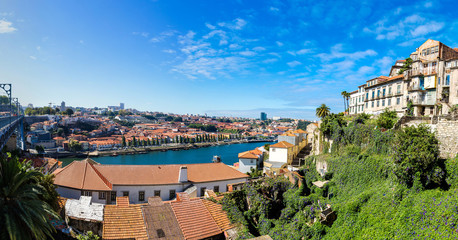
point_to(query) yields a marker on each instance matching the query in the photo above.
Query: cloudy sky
(233, 58)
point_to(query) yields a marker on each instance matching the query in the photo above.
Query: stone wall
(447, 134)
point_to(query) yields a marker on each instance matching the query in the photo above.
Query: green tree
(322, 111)
(75, 146)
(386, 119)
(344, 95)
(408, 62)
(69, 111)
(123, 141)
(417, 151)
(23, 212)
(88, 236)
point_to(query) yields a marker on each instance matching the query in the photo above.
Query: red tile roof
(160, 221)
(217, 213)
(248, 155)
(282, 144)
(89, 176)
(123, 222)
(82, 175)
(194, 219)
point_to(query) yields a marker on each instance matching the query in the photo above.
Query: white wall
(245, 165)
(278, 155)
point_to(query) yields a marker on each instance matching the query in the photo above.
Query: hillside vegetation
(384, 184)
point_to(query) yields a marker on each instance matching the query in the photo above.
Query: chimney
(183, 177)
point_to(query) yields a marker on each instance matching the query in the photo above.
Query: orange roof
(217, 213)
(194, 218)
(82, 175)
(123, 222)
(256, 151)
(300, 131)
(85, 175)
(160, 221)
(282, 144)
(248, 155)
(395, 77)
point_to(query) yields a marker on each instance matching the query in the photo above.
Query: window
(449, 64)
(399, 89)
(431, 110)
(389, 102)
(86, 193)
(373, 94)
(113, 196)
(398, 101)
(202, 191)
(439, 81)
(447, 80)
(367, 95)
(372, 104)
(216, 188)
(362, 107)
(383, 103)
(157, 193)
(141, 196)
(172, 194)
(125, 193)
(378, 103)
(389, 90)
(366, 105)
(160, 233)
(102, 195)
(378, 93)
(251, 161)
(384, 92)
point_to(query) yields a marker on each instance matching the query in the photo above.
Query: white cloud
(6, 27)
(428, 4)
(411, 42)
(247, 53)
(208, 25)
(280, 44)
(236, 24)
(304, 51)
(33, 57)
(81, 41)
(385, 62)
(270, 60)
(169, 51)
(294, 63)
(38, 48)
(274, 9)
(425, 29)
(336, 52)
(163, 35)
(143, 34)
(259, 49)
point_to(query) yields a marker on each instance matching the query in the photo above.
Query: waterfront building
(62, 106)
(106, 182)
(263, 116)
(250, 160)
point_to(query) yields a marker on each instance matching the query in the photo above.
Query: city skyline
(233, 58)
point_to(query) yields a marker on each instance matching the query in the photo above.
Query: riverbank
(144, 150)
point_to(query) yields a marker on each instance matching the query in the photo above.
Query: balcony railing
(415, 88)
(415, 72)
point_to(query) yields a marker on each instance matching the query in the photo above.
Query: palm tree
(344, 95)
(347, 97)
(322, 111)
(24, 215)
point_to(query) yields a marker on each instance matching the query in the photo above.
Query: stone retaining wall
(447, 134)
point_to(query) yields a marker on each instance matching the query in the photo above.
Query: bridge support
(20, 135)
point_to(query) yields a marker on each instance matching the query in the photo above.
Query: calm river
(228, 154)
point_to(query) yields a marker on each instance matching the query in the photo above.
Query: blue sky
(233, 58)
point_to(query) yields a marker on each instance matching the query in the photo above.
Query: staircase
(299, 160)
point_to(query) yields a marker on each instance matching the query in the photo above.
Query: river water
(228, 154)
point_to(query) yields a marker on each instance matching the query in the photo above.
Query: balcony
(415, 88)
(417, 72)
(423, 102)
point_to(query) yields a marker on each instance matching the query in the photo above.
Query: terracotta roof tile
(248, 155)
(160, 221)
(194, 219)
(220, 216)
(282, 144)
(123, 222)
(82, 175)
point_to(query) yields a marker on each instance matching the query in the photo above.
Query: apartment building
(384, 92)
(356, 101)
(429, 86)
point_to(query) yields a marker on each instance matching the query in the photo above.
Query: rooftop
(123, 222)
(194, 218)
(160, 220)
(282, 144)
(84, 209)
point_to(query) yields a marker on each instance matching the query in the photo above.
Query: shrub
(386, 119)
(416, 150)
